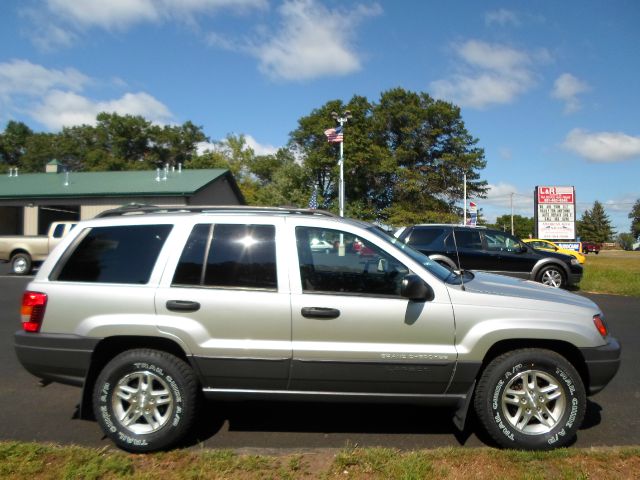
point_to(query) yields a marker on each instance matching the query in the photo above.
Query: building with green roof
(30, 202)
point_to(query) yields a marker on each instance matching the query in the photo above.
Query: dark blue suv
(477, 248)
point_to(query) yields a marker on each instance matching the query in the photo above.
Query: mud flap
(460, 416)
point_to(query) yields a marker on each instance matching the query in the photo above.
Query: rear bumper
(55, 357)
(602, 364)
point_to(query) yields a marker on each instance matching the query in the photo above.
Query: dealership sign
(555, 212)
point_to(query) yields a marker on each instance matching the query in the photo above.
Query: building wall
(94, 206)
(30, 220)
(219, 192)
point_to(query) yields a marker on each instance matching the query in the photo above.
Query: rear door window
(468, 239)
(424, 236)
(229, 256)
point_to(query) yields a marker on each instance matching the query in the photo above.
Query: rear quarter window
(120, 254)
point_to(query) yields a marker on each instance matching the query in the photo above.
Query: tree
(405, 157)
(594, 225)
(13, 142)
(523, 227)
(634, 215)
(625, 240)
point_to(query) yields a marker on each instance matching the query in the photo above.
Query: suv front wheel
(145, 400)
(530, 399)
(552, 276)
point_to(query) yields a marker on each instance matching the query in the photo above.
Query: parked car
(591, 247)
(471, 248)
(319, 245)
(546, 245)
(151, 310)
(24, 252)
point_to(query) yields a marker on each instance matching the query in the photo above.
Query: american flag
(313, 201)
(334, 135)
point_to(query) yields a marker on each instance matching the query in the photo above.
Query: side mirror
(382, 265)
(415, 289)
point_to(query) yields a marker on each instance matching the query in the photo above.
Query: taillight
(599, 323)
(32, 311)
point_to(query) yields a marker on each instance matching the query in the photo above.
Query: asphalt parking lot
(29, 412)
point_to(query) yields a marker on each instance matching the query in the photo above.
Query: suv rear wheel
(530, 399)
(145, 400)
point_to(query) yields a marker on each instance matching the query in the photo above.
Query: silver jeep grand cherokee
(149, 310)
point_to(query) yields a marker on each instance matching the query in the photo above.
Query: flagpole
(341, 119)
(464, 218)
(341, 175)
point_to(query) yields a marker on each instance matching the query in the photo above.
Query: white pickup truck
(26, 251)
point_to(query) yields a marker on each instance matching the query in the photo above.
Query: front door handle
(182, 306)
(320, 313)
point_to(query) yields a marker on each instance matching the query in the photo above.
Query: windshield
(443, 273)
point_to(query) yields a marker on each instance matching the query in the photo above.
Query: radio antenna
(455, 244)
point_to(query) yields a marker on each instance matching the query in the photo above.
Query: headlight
(574, 261)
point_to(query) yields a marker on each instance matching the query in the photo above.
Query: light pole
(341, 119)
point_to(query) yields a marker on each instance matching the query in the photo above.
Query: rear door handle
(182, 306)
(320, 313)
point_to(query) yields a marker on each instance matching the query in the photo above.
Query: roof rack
(142, 209)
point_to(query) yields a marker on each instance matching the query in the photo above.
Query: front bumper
(55, 357)
(602, 364)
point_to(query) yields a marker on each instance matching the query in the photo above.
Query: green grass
(612, 271)
(39, 461)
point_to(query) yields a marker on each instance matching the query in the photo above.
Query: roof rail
(142, 209)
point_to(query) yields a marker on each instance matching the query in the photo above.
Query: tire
(553, 276)
(135, 420)
(21, 264)
(546, 416)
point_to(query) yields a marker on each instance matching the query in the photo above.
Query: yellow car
(552, 247)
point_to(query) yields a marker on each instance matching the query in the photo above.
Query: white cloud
(250, 142)
(63, 109)
(21, 77)
(567, 88)
(488, 74)
(501, 17)
(119, 14)
(604, 147)
(258, 148)
(313, 41)
(61, 23)
(53, 96)
(498, 201)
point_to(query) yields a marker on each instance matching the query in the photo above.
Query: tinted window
(358, 267)
(502, 242)
(124, 254)
(57, 232)
(468, 239)
(242, 256)
(191, 264)
(424, 236)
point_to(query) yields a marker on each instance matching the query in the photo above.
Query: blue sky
(549, 88)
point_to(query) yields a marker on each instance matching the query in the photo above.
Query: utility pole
(511, 213)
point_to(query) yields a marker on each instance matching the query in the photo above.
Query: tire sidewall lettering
(568, 387)
(113, 427)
